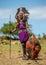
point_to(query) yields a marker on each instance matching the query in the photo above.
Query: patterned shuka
(22, 32)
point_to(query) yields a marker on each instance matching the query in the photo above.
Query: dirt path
(16, 59)
(16, 56)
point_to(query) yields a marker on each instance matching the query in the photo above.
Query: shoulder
(25, 21)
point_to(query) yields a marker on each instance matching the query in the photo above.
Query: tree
(39, 36)
(44, 36)
(7, 28)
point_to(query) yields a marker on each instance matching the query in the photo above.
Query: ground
(13, 56)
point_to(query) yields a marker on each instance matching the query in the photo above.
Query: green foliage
(39, 36)
(44, 36)
(0, 30)
(8, 27)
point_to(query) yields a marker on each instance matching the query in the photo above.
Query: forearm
(29, 31)
(14, 30)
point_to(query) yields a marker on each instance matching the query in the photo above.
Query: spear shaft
(10, 37)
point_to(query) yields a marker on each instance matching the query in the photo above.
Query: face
(21, 14)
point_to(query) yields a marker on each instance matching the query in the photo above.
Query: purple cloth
(23, 36)
(22, 26)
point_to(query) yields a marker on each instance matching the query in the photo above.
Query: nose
(20, 14)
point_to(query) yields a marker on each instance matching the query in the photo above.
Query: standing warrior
(22, 25)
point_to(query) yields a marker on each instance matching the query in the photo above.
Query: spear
(10, 36)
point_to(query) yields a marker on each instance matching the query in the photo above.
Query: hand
(11, 32)
(26, 14)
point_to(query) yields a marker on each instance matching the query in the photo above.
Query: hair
(24, 10)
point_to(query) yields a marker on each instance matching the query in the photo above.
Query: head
(22, 13)
(34, 39)
(36, 43)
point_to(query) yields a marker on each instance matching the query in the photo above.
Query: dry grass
(15, 58)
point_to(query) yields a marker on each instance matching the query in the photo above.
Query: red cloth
(29, 45)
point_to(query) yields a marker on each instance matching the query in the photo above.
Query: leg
(25, 57)
(24, 48)
(29, 52)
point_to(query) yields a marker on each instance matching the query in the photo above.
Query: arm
(27, 27)
(14, 30)
(15, 27)
(26, 14)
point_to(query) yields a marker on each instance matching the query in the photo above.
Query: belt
(22, 30)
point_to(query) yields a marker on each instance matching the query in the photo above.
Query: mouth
(21, 18)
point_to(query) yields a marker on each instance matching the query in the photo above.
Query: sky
(36, 8)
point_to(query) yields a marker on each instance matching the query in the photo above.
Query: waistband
(22, 31)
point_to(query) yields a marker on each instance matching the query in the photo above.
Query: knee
(24, 45)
